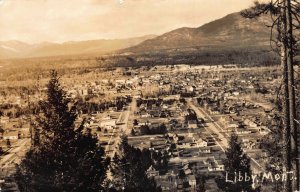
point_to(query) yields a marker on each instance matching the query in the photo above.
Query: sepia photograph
(149, 95)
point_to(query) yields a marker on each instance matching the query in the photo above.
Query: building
(12, 135)
(192, 181)
(192, 124)
(108, 124)
(152, 172)
(4, 119)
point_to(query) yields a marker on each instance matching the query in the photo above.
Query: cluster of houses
(13, 129)
(182, 176)
(99, 87)
(192, 149)
(169, 111)
(12, 100)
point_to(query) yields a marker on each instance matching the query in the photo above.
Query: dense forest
(24, 69)
(244, 57)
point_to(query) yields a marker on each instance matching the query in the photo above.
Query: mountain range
(19, 49)
(230, 31)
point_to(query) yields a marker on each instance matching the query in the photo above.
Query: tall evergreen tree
(236, 162)
(285, 20)
(63, 157)
(129, 169)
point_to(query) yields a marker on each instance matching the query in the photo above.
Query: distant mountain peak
(231, 30)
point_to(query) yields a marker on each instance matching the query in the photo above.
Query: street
(215, 128)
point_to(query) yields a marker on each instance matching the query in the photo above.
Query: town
(186, 113)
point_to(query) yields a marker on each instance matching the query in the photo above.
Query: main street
(122, 129)
(214, 128)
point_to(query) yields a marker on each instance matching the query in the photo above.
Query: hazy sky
(35, 21)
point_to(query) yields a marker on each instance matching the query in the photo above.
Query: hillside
(232, 31)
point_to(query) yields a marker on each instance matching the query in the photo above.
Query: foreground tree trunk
(291, 87)
(287, 185)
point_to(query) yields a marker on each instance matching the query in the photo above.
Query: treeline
(12, 111)
(22, 91)
(153, 130)
(222, 56)
(156, 102)
(92, 107)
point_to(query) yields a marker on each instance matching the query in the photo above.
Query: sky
(36, 21)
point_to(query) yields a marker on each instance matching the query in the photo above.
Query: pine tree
(63, 157)
(285, 20)
(129, 169)
(236, 162)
